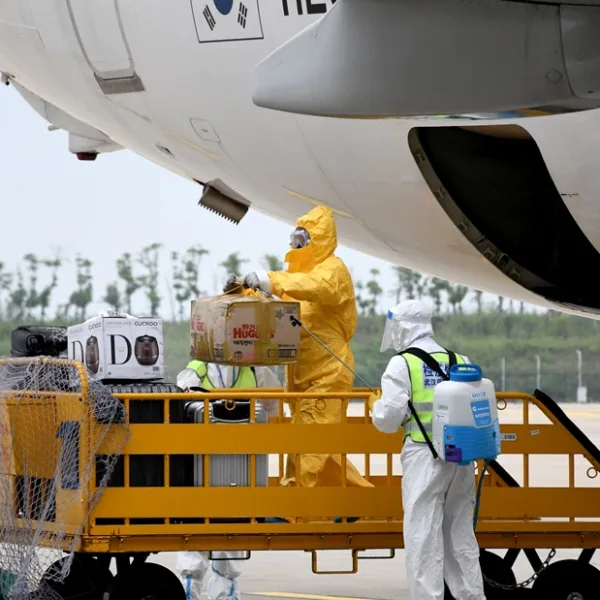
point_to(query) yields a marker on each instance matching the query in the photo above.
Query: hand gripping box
(119, 347)
(244, 330)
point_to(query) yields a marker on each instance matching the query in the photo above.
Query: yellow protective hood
(320, 224)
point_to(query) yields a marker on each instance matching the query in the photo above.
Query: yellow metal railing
(146, 508)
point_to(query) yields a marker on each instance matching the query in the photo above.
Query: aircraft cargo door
(99, 29)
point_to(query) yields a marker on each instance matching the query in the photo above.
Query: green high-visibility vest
(422, 382)
(246, 377)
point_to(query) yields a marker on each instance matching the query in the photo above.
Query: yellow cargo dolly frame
(133, 521)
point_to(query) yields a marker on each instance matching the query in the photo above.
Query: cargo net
(51, 433)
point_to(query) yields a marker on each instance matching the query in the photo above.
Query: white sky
(119, 203)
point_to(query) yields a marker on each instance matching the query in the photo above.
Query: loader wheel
(147, 581)
(86, 579)
(568, 580)
(495, 569)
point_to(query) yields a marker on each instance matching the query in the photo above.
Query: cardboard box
(244, 330)
(122, 347)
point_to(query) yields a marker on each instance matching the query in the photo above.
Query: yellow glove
(373, 398)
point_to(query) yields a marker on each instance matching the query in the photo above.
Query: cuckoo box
(244, 330)
(119, 347)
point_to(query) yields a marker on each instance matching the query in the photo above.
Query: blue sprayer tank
(465, 424)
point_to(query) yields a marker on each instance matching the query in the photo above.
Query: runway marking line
(301, 596)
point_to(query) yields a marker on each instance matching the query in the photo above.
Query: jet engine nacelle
(403, 58)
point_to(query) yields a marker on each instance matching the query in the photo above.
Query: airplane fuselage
(172, 82)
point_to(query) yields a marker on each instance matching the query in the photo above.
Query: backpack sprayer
(465, 417)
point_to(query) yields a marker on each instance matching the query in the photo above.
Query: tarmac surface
(287, 575)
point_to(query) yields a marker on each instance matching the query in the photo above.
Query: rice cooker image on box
(92, 354)
(146, 350)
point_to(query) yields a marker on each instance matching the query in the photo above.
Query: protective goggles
(299, 239)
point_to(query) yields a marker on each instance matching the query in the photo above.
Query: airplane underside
(493, 200)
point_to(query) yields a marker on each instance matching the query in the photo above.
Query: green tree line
(22, 295)
(487, 334)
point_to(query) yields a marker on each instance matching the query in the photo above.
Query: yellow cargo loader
(82, 478)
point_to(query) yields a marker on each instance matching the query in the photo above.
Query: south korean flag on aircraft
(227, 20)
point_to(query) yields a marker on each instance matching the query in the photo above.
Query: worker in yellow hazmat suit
(322, 284)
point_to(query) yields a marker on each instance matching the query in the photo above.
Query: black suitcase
(150, 411)
(148, 471)
(36, 340)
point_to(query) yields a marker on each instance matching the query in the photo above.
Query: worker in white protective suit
(226, 566)
(438, 497)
